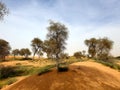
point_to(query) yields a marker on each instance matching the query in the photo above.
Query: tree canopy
(37, 45)
(3, 10)
(4, 48)
(57, 36)
(25, 52)
(15, 52)
(99, 48)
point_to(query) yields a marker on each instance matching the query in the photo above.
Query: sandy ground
(100, 67)
(34, 63)
(81, 76)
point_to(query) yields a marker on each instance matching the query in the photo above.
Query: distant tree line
(23, 52)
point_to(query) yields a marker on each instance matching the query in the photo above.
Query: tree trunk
(57, 62)
(14, 57)
(34, 55)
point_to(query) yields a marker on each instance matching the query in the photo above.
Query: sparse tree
(4, 49)
(37, 45)
(3, 10)
(78, 54)
(103, 48)
(58, 34)
(25, 52)
(99, 47)
(92, 44)
(15, 52)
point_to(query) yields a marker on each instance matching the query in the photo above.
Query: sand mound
(81, 76)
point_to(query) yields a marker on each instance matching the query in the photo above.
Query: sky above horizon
(83, 18)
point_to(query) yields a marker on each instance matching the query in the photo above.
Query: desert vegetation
(26, 62)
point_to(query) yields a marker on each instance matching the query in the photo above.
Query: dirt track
(81, 76)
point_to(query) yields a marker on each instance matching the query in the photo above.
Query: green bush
(45, 69)
(6, 72)
(7, 82)
(10, 81)
(19, 70)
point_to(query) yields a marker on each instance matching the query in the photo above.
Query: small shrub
(45, 69)
(63, 69)
(9, 71)
(6, 72)
(7, 82)
(11, 81)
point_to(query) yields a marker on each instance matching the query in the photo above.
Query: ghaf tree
(4, 49)
(37, 45)
(15, 52)
(57, 34)
(25, 52)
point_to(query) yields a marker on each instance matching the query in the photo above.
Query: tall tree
(15, 52)
(103, 48)
(99, 47)
(25, 52)
(58, 34)
(92, 44)
(37, 45)
(4, 48)
(3, 10)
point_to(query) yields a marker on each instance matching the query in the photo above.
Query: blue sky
(84, 18)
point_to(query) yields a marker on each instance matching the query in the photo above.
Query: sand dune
(81, 76)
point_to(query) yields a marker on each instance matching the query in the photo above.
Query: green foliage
(57, 36)
(7, 82)
(25, 52)
(109, 64)
(10, 81)
(99, 48)
(18, 70)
(6, 72)
(4, 49)
(15, 52)
(26, 70)
(45, 69)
